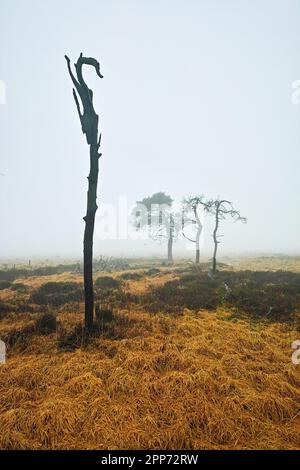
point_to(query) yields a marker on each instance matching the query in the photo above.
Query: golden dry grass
(197, 381)
(265, 263)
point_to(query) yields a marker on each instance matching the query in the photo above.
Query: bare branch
(77, 105)
(76, 84)
(189, 239)
(99, 141)
(90, 61)
(222, 208)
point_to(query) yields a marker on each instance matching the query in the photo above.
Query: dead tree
(194, 203)
(221, 208)
(89, 125)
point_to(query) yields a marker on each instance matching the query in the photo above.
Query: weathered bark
(88, 239)
(89, 124)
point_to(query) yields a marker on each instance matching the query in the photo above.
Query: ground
(184, 379)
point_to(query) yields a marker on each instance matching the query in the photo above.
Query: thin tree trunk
(214, 266)
(197, 260)
(170, 240)
(170, 249)
(199, 230)
(88, 238)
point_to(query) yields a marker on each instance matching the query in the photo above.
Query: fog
(196, 98)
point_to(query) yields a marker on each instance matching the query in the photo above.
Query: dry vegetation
(176, 378)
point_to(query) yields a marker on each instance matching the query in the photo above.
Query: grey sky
(196, 97)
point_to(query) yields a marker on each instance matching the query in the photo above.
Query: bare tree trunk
(170, 249)
(88, 239)
(199, 230)
(89, 123)
(197, 260)
(214, 266)
(170, 240)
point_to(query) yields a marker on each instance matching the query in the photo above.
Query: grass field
(179, 364)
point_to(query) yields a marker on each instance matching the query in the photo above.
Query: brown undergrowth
(196, 381)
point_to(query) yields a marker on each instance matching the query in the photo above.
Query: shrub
(6, 307)
(20, 337)
(46, 324)
(103, 315)
(152, 272)
(57, 287)
(16, 273)
(133, 276)
(12, 274)
(108, 263)
(48, 270)
(5, 285)
(198, 293)
(16, 306)
(57, 293)
(265, 300)
(107, 282)
(271, 295)
(68, 341)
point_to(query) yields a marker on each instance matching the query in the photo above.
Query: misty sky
(196, 98)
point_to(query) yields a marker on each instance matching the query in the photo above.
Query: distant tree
(89, 125)
(155, 214)
(194, 204)
(221, 209)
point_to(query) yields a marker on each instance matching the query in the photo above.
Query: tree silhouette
(89, 125)
(194, 203)
(155, 214)
(221, 208)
